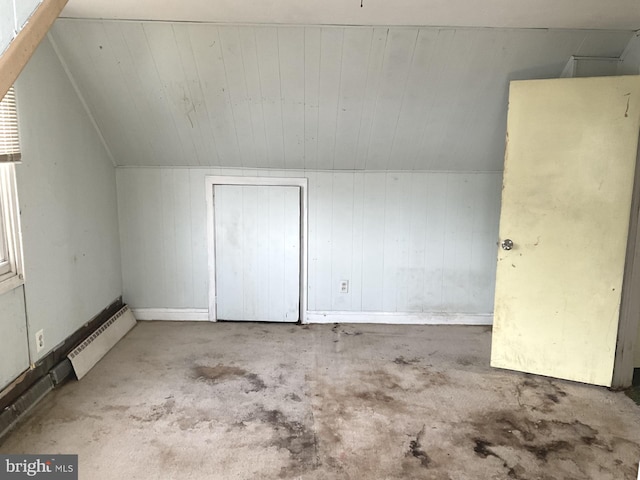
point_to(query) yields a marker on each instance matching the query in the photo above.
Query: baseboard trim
(401, 318)
(202, 315)
(172, 314)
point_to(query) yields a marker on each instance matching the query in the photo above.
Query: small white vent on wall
(86, 355)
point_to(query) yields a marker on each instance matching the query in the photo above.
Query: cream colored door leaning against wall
(568, 180)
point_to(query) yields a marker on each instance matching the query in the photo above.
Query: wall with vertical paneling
(13, 16)
(14, 350)
(405, 241)
(67, 195)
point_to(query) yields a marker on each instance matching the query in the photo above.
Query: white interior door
(566, 199)
(257, 252)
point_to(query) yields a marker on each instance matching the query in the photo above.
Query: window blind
(9, 141)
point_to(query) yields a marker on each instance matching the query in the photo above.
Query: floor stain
(416, 450)
(156, 412)
(219, 372)
(483, 450)
(468, 360)
(518, 434)
(377, 396)
(402, 361)
(297, 437)
(115, 408)
(543, 451)
(539, 395)
(392, 403)
(337, 328)
(294, 397)
(223, 373)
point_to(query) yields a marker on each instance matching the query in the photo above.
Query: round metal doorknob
(507, 244)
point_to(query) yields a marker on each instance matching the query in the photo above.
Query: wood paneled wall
(405, 241)
(13, 16)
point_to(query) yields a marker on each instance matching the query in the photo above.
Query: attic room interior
(337, 240)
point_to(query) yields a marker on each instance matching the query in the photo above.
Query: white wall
(407, 242)
(14, 352)
(13, 16)
(630, 64)
(67, 193)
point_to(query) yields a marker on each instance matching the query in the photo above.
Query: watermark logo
(50, 467)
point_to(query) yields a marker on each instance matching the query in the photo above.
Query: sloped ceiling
(574, 14)
(184, 94)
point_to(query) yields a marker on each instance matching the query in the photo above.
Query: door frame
(210, 182)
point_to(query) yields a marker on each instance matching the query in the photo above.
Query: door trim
(210, 182)
(627, 343)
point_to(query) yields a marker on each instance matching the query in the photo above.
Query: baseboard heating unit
(86, 355)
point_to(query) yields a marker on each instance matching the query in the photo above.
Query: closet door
(257, 251)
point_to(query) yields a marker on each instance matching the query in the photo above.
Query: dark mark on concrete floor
(566, 442)
(483, 451)
(553, 397)
(402, 361)
(293, 396)
(376, 396)
(157, 412)
(542, 451)
(222, 373)
(296, 437)
(540, 396)
(256, 382)
(355, 334)
(468, 360)
(416, 450)
(482, 448)
(336, 329)
(218, 373)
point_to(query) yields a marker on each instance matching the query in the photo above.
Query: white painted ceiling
(341, 98)
(573, 14)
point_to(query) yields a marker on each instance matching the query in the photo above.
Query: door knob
(507, 244)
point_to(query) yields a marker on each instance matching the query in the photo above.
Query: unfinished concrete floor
(252, 401)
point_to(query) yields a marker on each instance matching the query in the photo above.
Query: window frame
(11, 268)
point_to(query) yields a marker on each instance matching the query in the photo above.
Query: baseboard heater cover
(86, 355)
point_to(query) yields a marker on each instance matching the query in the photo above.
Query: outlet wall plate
(39, 340)
(344, 286)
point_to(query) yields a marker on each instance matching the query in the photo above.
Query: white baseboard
(202, 315)
(172, 314)
(401, 318)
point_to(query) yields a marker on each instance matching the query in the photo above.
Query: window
(11, 274)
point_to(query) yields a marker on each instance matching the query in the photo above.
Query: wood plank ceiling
(343, 98)
(573, 14)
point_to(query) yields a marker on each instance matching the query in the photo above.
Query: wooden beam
(16, 56)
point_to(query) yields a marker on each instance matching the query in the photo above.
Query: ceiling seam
(81, 98)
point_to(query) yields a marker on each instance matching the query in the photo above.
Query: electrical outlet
(39, 341)
(344, 286)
